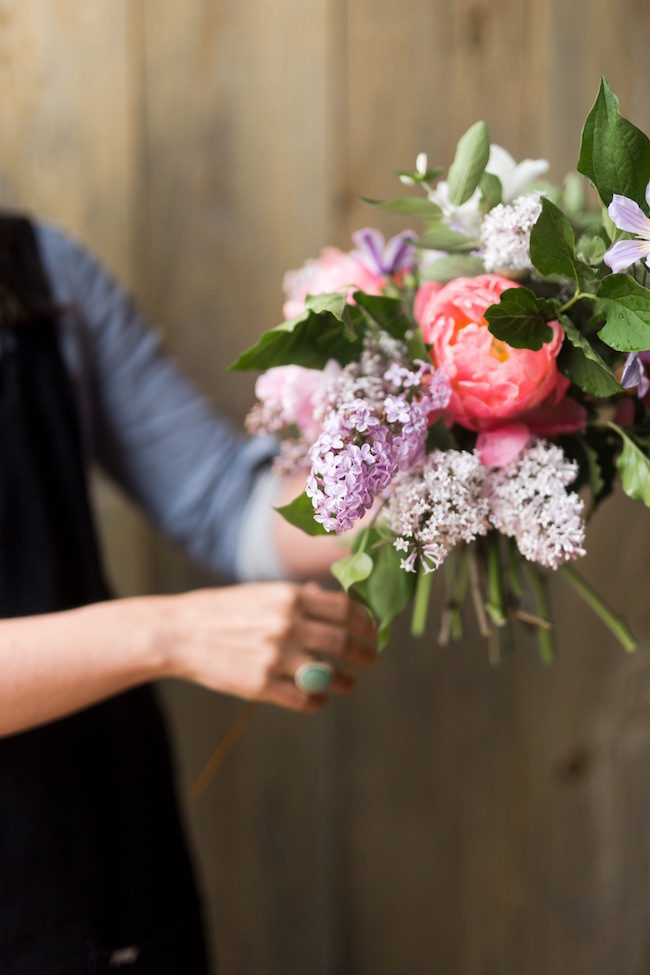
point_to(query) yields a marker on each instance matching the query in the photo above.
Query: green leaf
(410, 206)
(491, 191)
(440, 238)
(552, 244)
(388, 589)
(353, 568)
(440, 437)
(383, 312)
(625, 306)
(327, 329)
(334, 303)
(417, 347)
(634, 467)
(573, 194)
(614, 154)
(472, 154)
(300, 513)
(453, 266)
(518, 320)
(591, 250)
(426, 177)
(583, 365)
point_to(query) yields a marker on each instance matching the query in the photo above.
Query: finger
(333, 640)
(336, 607)
(342, 680)
(284, 693)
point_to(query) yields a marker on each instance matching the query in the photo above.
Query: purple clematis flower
(385, 257)
(628, 215)
(634, 373)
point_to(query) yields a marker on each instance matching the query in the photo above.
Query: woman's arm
(246, 640)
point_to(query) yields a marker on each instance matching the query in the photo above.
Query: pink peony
(295, 393)
(504, 393)
(334, 270)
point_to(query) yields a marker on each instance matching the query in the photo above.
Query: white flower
(505, 233)
(515, 179)
(528, 500)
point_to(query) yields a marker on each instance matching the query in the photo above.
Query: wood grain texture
(449, 817)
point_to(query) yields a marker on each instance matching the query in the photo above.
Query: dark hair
(24, 289)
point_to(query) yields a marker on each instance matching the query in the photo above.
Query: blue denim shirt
(149, 429)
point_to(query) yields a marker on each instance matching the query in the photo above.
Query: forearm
(59, 663)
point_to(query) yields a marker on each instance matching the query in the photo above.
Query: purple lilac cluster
(366, 442)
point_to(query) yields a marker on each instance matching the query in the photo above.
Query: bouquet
(466, 396)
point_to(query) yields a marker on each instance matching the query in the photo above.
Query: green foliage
(583, 365)
(440, 437)
(427, 177)
(614, 154)
(472, 154)
(388, 590)
(300, 513)
(633, 465)
(453, 266)
(440, 238)
(625, 306)
(491, 191)
(519, 319)
(383, 312)
(352, 568)
(591, 250)
(409, 206)
(552, 244)
(329, 328)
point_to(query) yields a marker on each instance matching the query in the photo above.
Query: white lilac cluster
(505, 234)
(454, 498)
(378, 428)
(529, 501)
(439, 506)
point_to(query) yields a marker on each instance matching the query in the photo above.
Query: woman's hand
(249, 640)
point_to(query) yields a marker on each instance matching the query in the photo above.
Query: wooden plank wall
(448, 818)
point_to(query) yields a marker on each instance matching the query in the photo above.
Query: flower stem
(421, 602)
(615, 623)
(451, 625)
(545, 640)
(576, 297)
(495, 605)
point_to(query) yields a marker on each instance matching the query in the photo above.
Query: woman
(93, 870)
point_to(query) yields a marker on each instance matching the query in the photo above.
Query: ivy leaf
(552, 244)
(518, 320)
(329, 328)
(614, 154)
(472, 154)
(300, 513)
(634, 467)
(388, 589)
(440, 238)
(353, 568)
(625, 306)
(583, 365)
(453, 266)
(409, 206)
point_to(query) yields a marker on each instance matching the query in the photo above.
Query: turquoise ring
(314, 677)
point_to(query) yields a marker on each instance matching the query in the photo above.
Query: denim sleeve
(149, 429)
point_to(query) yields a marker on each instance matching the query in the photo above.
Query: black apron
(94, 875)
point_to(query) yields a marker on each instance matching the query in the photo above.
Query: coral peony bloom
(295, 393)
(490, 381)
(334, 270)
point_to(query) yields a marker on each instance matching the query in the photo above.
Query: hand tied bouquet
(468, 395)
